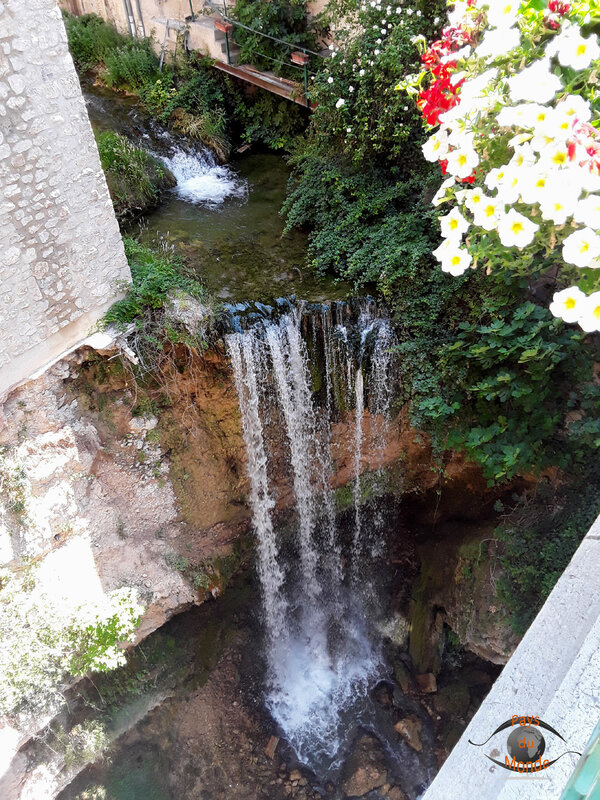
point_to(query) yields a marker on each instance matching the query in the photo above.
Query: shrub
(91, 39)
(42, 641)
(153, 277)
(131, 66)
(284, 19)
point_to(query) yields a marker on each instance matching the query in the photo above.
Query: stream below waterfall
(298, 681)
(222, 219)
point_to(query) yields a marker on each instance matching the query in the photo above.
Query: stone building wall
(61, 254)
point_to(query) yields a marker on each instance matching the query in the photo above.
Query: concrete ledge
(554, 674)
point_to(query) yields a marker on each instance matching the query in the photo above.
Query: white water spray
(201, 180)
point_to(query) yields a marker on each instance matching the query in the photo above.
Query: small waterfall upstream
(296, 376)
(200, 179)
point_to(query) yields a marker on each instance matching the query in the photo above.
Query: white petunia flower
(472, 92)
(533, 185)
(509, 190)
(461, 138)
(440, 195)
(524, 157)
(588, 212)
(589, 316)
(566, 304)
(541, 143)
(588, 180)
(559, 201)
(516, 230)
(330, 79)
(535, 83)
(436, 146)
(441, 252)
(582, 248)
(457, 261)
(495, 177)
(454, 225)
(513, 115)
(498, 43)
(577, 52)
(473, 198)
(503, 13)
(555, 155)
(574, 108)
(458, 12)
(457, 55)
(461, 163)
(488, 212)
(340, 102)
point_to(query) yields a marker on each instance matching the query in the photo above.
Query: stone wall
(61, 253)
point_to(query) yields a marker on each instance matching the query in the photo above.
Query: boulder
(409, 729)
(453, 699)
(271, 747)
(427, 683)
(366, 769)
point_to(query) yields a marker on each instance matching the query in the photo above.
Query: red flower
(557, 7)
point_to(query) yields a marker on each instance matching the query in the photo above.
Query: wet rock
(295, 775)
(396, 793)
(402, 676)
(194, 316)
(396, 630)
(142, 424)
(410, 730)
(452, 735)
(453, 699)
(366, 769)
(272, 747)
(427, 683)
(383, 694)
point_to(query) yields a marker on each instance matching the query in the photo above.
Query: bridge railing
(296, 51)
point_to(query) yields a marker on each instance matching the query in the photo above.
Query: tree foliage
(485, 367)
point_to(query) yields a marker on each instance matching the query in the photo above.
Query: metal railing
(221, 10)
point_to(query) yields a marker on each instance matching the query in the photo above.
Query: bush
(42, 641)
(131, 66)
(91, 39)
(284, 19)
(153, 277)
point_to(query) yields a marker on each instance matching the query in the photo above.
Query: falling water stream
(321, 658)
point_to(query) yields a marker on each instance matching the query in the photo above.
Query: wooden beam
(279, 86)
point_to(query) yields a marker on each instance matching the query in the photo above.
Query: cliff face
(153, 484)
(107, 487)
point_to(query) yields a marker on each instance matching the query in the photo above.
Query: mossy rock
(453, 699)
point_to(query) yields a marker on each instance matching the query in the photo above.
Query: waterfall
(200, 179)
(241, 351)
(296, 376)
